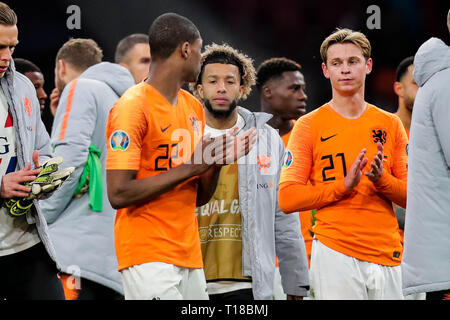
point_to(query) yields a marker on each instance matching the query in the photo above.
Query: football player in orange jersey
(154, 178)
(356, 252)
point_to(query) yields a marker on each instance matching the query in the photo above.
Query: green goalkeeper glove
(47, 182)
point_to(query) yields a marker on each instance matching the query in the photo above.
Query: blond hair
(346, 36)
(226, 54)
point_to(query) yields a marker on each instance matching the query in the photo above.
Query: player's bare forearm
(125, 190)
(207, 185)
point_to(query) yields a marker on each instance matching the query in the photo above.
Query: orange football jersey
(321, 150)
(147, 134)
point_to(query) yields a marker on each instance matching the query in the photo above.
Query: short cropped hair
(23, 66)
(167, 32)
(273, 68)
(7, 16)
(80, 53)
(225, 54)
(403, 68)
(126, 44)
(346, 36)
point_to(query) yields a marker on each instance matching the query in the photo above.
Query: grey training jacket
(426, 257)
(30, 135)
(84, 239)
(266, 230)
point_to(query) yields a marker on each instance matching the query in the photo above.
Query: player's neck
(277, 122)
(352, 106)
(404, 114)
(282, 125)
(221, 123)
(166, 80)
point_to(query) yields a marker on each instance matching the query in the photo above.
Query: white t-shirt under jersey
(218, 287)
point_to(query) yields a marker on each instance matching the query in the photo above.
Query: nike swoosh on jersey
(325, 139)
(164, 129)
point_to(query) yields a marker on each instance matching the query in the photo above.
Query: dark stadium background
(260, 28)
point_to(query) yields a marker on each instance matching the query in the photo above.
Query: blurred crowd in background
(260, 28)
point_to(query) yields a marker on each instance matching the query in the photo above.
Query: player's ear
(398, 88)
(267, 92)
(185, 49)
(325, 71)
(241, 90)
(369, 65)
(61, 69)
(200, 91)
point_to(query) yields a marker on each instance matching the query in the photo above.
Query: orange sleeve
(125, 131)
(294, 193)
(393, 186)
(298, 197)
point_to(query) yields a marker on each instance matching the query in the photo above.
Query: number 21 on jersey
(331, 160)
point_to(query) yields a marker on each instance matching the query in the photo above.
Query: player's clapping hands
(376, 165)
(230, 147)
(355, 173)
(376, 168)
(222, 150)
